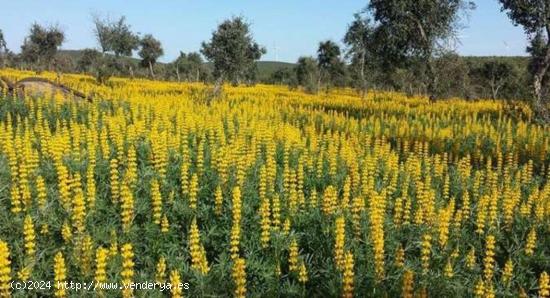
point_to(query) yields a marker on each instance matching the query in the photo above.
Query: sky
(287, 28)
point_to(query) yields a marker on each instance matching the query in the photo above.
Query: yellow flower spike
(30, 237)
(60, 275)
(5, 270)
(102, 256)
(348, 275)
(127, 272)
(175, 281)
(339, 242)
(160, 275)
(239, 277)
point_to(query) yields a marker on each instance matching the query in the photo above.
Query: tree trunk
(198, 75)
(131, 71)
(319, 81)
(432, 78)
(494, 90)
(539, 103)
(178, 73)
(151, 70)
(362, 74)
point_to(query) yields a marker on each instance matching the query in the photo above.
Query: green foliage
(284, 76)
(358, 39)
(190, 67)
(40, 46)
(3, 50)
(496, 75)
(151, 50)
(307, 74)
(411, 29)
(533, 15)
(116, 37)
(233, 51)
(3, 45)
(331, 67)
(88, 59)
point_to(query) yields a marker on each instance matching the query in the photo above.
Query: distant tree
(151, 50)
(331, 66)
(232, 51)
(190, 66)
(194, 66)
(3, 50)
(307, 74)
(412, 29)
(104, 33)
(534, 17)
(495, 74)
(123, 41)
(283, 76)
(89, 60)
(3, 45)
(452, 73)
(40, 46)
(358, 40)
(62, 64)
(116, 37)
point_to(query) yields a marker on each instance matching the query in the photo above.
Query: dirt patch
(41, 87)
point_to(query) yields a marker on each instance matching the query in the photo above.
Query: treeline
(403, 45)
(231, 54)
(464, 77)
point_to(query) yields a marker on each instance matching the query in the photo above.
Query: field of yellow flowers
(270, 192)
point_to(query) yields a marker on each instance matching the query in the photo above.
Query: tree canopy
(534, 17)
(331, 66)
(307, 73)
(3, 45)
(151, 50)
(115, 37)
(358, 39)
(233, 51)
(189, 67)
(41, 45)
(408, 30)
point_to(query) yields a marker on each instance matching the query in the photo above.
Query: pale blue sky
(293, 27)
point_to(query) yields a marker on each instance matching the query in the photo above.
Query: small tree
(116, 37)
(190, 66)
(40, 46)
(358, 41)
(103, 33)
(534, 17)
(232, 51)
(307, 74)
(88, 61)
(151, 50)
(331, 66)
(495, 75)
(408, 30)
(283, 76)
(3, 50)
(452, 72)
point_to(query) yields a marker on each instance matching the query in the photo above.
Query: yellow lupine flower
(5, 270)
(127, 272)
(348, 275)
(175, 281)
(239, 277)
(30, 237)
(60, 275)
(160, 275)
